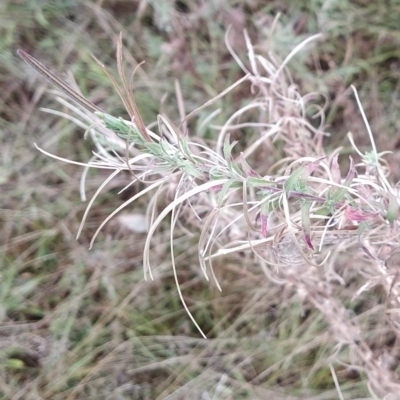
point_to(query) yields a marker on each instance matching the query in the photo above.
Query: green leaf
(191, 170)
(121, 127)
(228, 148)
(225, 190)
(393, 208)
(15, 364)
(259, 182)
(296, 181)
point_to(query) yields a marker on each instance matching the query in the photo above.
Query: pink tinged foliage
(264, 223)
(307, 238)
(357, 215)
(216, 188)
(246, 167)
(312, 166)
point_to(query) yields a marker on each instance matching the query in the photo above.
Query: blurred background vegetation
(83, 324)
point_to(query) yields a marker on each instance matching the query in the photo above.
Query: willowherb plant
(295, 213)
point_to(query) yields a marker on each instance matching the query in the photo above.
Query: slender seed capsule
(39, 67)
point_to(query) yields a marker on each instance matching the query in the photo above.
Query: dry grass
(290, 322)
